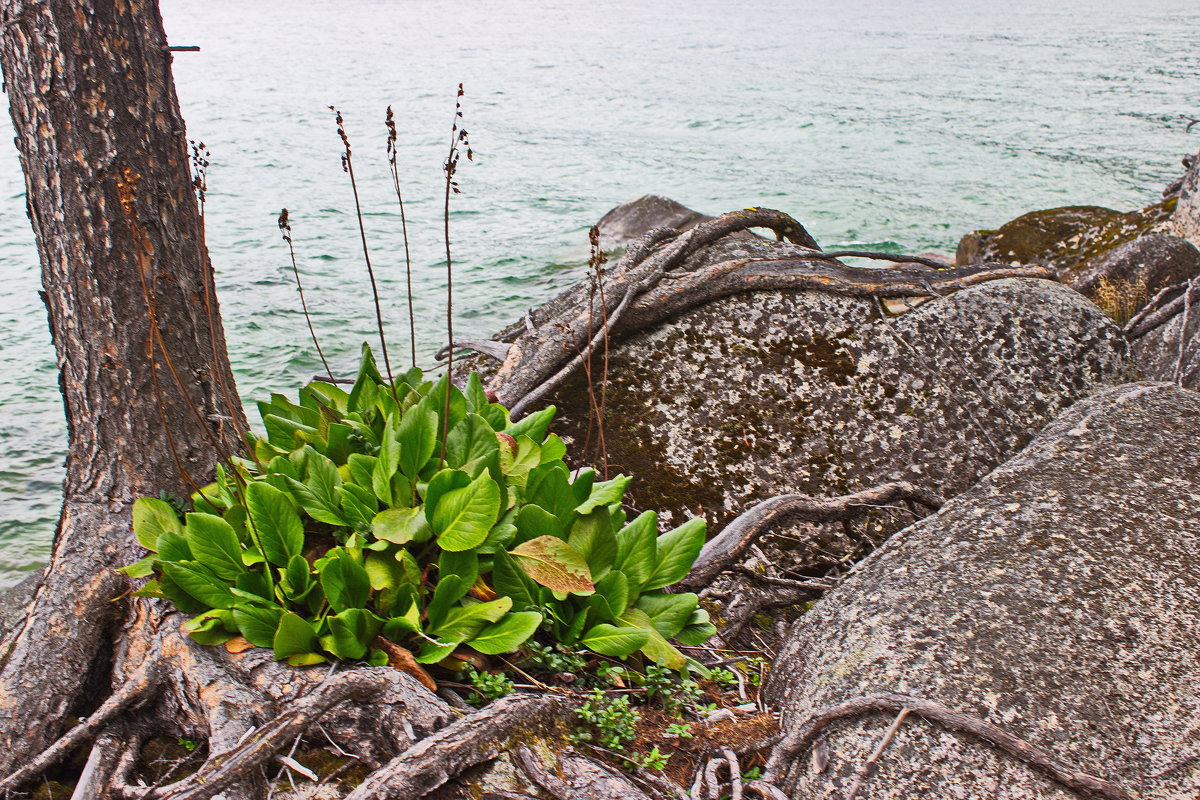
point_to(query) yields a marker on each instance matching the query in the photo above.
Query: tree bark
(147, 389)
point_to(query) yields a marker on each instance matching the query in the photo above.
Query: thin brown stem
(286, 228)
(348, 167)
(390, 122)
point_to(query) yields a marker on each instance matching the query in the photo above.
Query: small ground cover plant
(422, 514)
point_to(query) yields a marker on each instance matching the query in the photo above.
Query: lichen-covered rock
(1063, 238)
(1059, 598)
(1185, 222)
(1125, 278)
(772, 392)
(625, 223)
(1171, 351)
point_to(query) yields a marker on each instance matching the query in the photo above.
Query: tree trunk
(148, 393)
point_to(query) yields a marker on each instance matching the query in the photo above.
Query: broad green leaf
(399, 525)
(200, 584)
(139, 569)
(282, 432)
(449, 590)
(445, 480)
(470, 440)
(604, 494)
(257, 623)
(512, 631)
(613, 640)
(474, 394)
(215, 545)
(351, 632)
(358, 505)
(554, 564)
(337, 442)
(462, 518)
(253, 586)
(397, 629)
(698, 629)
(549, 487)
(151, 518)
(275, 520)
(173, 547)
(432, 653)
(296, 580)
(534, 521)
(418, 437)
(210, 628)
(344, 580)
(668, 613)
(611, 597)
(329, 395)
(295, 635)
(306, 659)
(318, 494)
(510, 581)
(637, 549)
(575, 629)
(677, 551)
(362, 395)
(463, 564)
(593, 537)
(533, 425)
(553, 449)
(361, 467)
(387, 463)
(581, 484)
(464, 622)
(178, 597)
(656, 647)
(384, 571)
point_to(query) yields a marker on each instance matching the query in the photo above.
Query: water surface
(898, 125)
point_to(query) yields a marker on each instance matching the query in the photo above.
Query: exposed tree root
(471, 740)
(223, 769)
(727, 547)
(1151, 317)
(784, 754)
(647, 286)
(136, 688)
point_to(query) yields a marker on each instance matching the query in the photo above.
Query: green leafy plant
(655, 760)
(681, 730)
(610, 722)
(491, 686)
(354, 519)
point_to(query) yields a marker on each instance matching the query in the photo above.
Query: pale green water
(898, 124)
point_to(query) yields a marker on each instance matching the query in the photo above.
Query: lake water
(897, 125)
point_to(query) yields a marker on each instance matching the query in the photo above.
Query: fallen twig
(865, 769)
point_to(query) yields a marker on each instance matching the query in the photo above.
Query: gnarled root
(727, 547)
(784, 755)
(647, 286)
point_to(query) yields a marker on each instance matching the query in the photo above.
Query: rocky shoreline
(1032, 638)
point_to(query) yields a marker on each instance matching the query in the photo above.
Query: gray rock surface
(1171, 351)
(1065, 238)
(1058, 598)
(625, 223)
(772, 392)
(1185, 222)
